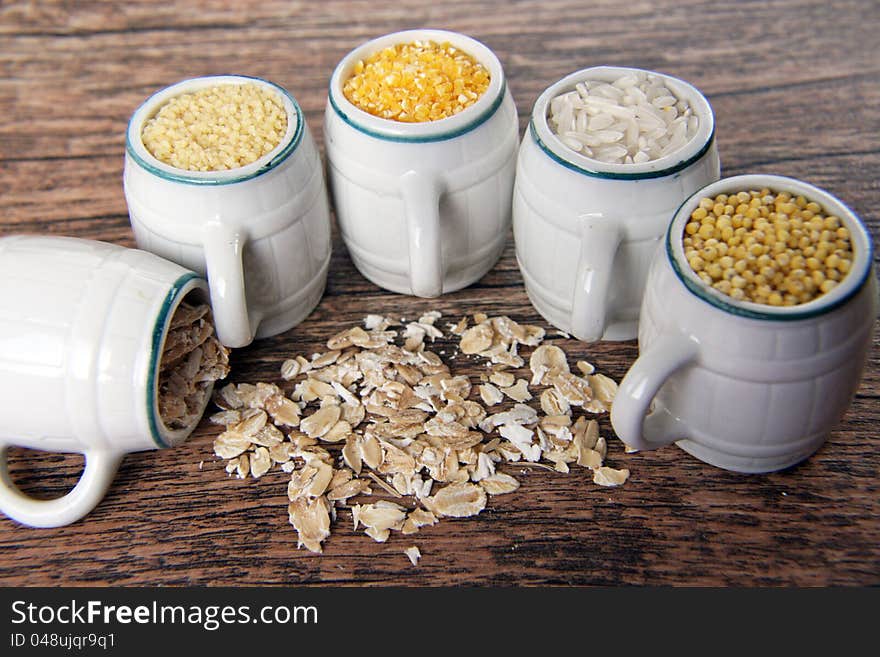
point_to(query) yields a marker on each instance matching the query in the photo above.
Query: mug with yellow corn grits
(424, 207)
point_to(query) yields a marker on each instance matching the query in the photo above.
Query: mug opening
(188, 287)
(840, 294)
(667, 165)
(441, 129)
(136, 149)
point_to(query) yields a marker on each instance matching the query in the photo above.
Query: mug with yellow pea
(754, 328)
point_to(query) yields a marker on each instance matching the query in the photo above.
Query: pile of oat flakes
(192, 359)
(405, 424)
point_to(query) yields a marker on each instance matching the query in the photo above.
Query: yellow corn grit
(416, 82)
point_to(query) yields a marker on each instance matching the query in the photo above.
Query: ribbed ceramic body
(82, 325)
(585, 231)
(741, 386)
(261, 233)
(424, 208)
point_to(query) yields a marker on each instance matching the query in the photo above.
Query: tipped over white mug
(424, 208)
(82, 328)
(740, 385)
(585, 230)
(260, 233)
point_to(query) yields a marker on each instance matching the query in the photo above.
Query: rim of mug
(134, 144)
(667, 165)
(843, 292)
(425, 131)
(183, 286)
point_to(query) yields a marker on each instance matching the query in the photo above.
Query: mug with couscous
(421, 135)
(609, 154)
(223, 177)
(755, 326)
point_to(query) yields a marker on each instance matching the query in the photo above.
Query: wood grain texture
(795, 85)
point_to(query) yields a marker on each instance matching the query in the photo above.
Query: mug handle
(600, 239)
(224, 249)
(101, 467)
(631, 415)
(421, 201)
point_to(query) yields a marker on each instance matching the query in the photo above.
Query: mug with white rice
(609, 155)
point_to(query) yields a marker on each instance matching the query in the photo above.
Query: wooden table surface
(795, 85)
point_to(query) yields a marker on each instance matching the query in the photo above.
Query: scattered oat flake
(375, 322)
(477, 339)
(518, 392)
(585, 367)
(606, 476)
(460, 328)
(414, 554)
(229, 445)
(430, 317)
(260, 462)
(604, 388)
(311, 519)
(572, 388)
(499, 484)
(490, 394)
(226, 418)
(290, 369)
(380, 517)
(502, 379)
(589, 458)
(321, 421)
(552, 403)
(349, 489)
(548, 359)
(459, 500)
(416, 519)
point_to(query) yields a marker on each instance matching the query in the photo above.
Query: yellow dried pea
(416, 82)
(216, 128)
(765, 247)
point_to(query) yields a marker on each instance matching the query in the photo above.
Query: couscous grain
(217, 128)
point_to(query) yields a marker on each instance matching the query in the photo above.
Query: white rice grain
(631, 120)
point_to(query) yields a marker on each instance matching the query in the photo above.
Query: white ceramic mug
(260, 233)
(424, 208)
(739, 385)
(82, 328)
(585, 231)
